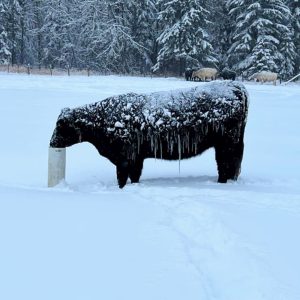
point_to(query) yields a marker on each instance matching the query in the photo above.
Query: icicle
(133, 155)
(155, 148)
(138, 142)
(160, 146)
(179, 150)
(171, 146)
(151, 141)
(222, 129)
(168, 138)
(192, 143)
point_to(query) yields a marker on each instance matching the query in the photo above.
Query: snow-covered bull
(265, 76)
(205, 73)
(173, 125)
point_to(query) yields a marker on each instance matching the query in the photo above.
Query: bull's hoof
(222, 180)
(121, 185)
(134, 181)
(122, 181)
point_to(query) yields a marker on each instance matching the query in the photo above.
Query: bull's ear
(65, 112)
(61, 122)
(64, 116)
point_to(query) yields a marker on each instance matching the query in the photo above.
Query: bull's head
(67, 131)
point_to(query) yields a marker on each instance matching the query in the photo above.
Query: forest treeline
(145, 36)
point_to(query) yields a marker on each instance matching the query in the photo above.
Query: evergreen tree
(184, 38)
(118, 42)
(135, 36)
(35, 16)
(143, 24)
(23, 37)
(122, 42)
(91, 26)
(220, 30)
(14, 13)
(59, 36)
(287, 56)
(258, 34)
(5, 54)
(294, 6)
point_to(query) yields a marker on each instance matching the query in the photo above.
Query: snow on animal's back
(210, 103)
(213, 101)
(221, 90)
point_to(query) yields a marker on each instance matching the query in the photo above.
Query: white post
(56, 165)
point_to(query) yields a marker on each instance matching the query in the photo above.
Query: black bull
(174, 125)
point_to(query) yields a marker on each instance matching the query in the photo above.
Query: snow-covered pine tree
(14, 13)
(294, 6)
(5, 54)
(129, 36)
(34, 18)
(124, 36)
(51, 32)
(58, 33)
(70, 37)
(220, 30)
(184, 38)
(114, 53)
(23, 32)
(143, 24)
(91, 25)
(258, 34)
(288, 55)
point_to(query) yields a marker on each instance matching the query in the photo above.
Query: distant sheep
(228, 74)
(205, 73)
(265, 76)
(173, 125)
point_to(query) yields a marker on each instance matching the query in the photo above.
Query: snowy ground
(175, 235)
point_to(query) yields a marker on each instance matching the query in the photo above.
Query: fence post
(68, 70)
(28, 69)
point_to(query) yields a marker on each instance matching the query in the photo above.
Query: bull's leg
(135, 170)
(229, 158)
(122, 173)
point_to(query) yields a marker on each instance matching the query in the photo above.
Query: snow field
(174, 235)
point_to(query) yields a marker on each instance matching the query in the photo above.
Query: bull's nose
(54, 141)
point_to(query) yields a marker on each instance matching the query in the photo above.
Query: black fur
(129, 128)
(228, 74)
(188, 74)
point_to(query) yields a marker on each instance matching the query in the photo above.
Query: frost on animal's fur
(169, 125)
